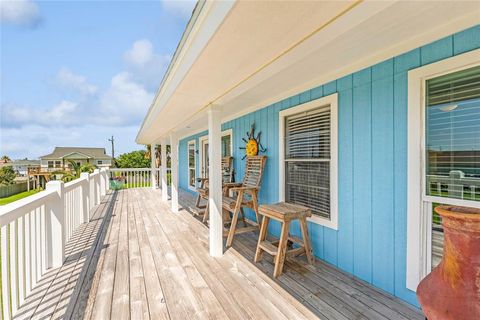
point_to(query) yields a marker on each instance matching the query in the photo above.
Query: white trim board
(331, 100)
(194, 143)
(418, 220)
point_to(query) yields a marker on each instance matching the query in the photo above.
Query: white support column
(55, 225)
(174, 164)
(153, 163)
(163, 157)
(85, 191)
(215, 181)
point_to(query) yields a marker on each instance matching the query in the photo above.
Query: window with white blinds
(453, 135)
(309, 154)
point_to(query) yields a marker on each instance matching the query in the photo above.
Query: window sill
(328, 223)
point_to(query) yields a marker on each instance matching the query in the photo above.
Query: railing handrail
(75, 183)
(129, 169)
(16, 209)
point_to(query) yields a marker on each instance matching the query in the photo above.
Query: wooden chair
(227, 166)
(245, 195)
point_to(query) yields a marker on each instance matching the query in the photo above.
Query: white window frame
(331, 100)
(419, 205)
(194, 143)
(204, 138)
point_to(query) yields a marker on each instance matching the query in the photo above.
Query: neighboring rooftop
(61, 152)
(25, 162)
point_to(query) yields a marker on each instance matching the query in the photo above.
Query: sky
(74, 73)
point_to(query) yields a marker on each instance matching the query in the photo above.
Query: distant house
(21, 166)
(60, 158)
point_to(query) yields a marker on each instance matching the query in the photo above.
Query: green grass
(17, 196)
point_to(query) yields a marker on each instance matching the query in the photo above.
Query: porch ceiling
(261, 52)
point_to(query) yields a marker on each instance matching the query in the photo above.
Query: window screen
(226, 143)
(453, 135)
(307, 160)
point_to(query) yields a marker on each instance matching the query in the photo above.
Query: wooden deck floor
(136, 259)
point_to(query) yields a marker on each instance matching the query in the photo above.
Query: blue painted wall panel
(345, 188)
(372, 162)
(466, 40)
(362, 181)
(382, 179)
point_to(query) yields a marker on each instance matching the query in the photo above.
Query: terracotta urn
(452, 289)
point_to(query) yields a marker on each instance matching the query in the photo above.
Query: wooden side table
(284, 213)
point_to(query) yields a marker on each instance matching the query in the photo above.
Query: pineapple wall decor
(252, 143)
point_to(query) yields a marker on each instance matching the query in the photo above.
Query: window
(191, 165)
(50, 164)
(58, 164)
(99, 162)
(309, 158)
(444, 114)
(226, 145)
(452, 125)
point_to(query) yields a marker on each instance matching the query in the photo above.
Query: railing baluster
(43, 242)
(28, 254)
(21, 258)
(33, 248)
(4, 242)
(13, 266)
(38, 255)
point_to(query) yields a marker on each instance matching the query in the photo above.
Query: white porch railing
(133, 177)
(34, 230)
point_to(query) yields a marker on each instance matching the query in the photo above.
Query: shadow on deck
(137, 259)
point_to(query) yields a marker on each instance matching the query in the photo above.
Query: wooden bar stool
(284, 213)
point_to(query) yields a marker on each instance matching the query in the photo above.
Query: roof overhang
(245, 55)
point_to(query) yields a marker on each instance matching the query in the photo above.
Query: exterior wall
(372, 134)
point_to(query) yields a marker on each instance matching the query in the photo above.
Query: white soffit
(266, 51)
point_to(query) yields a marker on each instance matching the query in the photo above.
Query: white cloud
(65, 113)
(68, 79)
(145, 65)
(140, 54)
(126, 101)
(180, 7)
(19, 12)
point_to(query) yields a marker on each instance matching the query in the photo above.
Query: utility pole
(112, 140)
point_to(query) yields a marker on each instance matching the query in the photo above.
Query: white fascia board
(207, 22)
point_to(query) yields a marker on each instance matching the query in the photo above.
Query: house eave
(320, 57)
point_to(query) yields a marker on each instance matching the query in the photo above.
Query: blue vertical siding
(370, 242)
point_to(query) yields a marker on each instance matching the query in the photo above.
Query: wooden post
(153, 164)
(163, 157)
(55, 226)
(174, 164)
(215, 181)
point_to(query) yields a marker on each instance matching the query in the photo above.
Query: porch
(138, 259)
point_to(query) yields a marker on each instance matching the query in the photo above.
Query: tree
(5, 159)
(77, 170)
(134, 159)
(7, 175)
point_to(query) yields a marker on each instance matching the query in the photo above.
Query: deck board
(138, 260)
